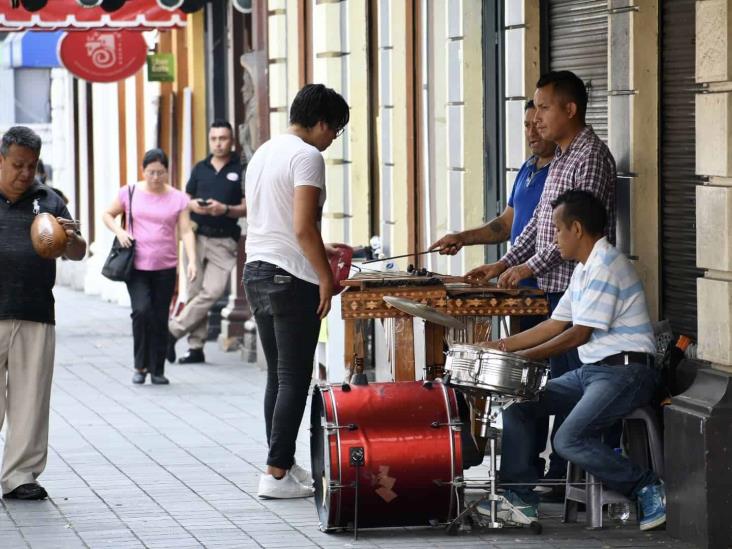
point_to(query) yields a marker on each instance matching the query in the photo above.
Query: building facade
(437, 89)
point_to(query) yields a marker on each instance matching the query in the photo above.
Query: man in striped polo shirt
(610, 326)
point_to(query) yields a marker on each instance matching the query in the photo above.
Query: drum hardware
(489, 414)
(458, 482)
(355, 375)
(356, 459)
(421, 310)
(455, 425)
(433, 372)
(501, 379)
(334, 427)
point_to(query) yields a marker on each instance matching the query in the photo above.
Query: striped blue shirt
(606, 294)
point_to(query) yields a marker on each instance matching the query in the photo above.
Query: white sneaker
(285, 488)
(301, 475)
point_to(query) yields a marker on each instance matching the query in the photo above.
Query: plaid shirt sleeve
(597, 175)
(523, 246)
(544, 260)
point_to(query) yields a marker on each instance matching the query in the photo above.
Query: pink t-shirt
(154, 222)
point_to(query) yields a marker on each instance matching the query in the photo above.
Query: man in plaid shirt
(582, 162)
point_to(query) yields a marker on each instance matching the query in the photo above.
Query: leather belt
(219, 232)
(623, 359)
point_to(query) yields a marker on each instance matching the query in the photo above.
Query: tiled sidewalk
(177, 466)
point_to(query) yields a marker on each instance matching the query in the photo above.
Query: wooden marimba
(363, 299)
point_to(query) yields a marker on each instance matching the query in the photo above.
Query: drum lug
(330, 426)
(455, 425)
(459, 482)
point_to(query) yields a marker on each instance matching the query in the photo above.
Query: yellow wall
(197, 81)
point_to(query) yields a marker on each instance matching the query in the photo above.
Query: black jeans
(285, 309)
(150, 295)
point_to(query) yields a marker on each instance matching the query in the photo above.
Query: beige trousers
(26, 371)
(215, 258)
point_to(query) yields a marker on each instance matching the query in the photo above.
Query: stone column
(699, 422)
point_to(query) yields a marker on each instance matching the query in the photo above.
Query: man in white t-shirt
(288, 280)
(604, 315)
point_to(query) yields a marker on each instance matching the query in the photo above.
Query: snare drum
(460, 364)
(406, 437)
(509, 374)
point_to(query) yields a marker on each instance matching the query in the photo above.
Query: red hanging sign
(103, 56)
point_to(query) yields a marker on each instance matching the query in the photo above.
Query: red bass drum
(406, 435)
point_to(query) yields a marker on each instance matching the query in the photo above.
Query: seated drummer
(606, 308)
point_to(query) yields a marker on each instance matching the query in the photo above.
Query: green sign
(161, 67)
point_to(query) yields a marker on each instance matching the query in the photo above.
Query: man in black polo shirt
(27, 332)
(217, 201)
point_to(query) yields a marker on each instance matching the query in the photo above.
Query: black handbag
(120, 261)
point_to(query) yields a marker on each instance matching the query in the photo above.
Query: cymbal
(421, 310)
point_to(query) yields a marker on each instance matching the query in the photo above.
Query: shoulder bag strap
(130, 191)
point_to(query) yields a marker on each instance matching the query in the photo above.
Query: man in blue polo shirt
(525, 195)
(604, 315)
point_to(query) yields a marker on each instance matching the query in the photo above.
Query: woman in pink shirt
(159, 217)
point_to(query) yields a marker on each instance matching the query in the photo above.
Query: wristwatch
(226, 211)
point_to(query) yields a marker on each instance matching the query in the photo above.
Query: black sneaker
(170, 351)
(30, 491)
(159, 380)
(193, 356)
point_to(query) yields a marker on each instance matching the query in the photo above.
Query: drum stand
(508, 515)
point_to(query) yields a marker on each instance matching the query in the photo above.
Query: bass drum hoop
(321, 463)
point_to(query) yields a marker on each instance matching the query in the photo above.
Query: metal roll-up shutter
(578, 34)
(678, 178)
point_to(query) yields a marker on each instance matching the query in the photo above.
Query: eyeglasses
(156, 173)
(339, 131)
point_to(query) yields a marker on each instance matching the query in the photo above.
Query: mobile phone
(203, 201)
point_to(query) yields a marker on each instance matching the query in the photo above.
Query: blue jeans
(285, 310)
(558, 366)
(593, 398)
